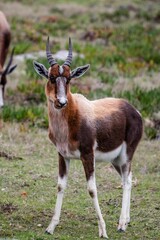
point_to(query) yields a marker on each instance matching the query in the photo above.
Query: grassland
(121, 41)
(28, 191)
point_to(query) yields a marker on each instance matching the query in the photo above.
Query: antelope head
(59, 77)
(3, 79)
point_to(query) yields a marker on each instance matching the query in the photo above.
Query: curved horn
(69, 57)
(51, 60)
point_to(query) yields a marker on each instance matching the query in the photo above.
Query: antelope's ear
(78, 72)
(40, 69)
(11, 69)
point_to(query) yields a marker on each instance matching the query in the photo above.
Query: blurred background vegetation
(119, 39)
(121, 42)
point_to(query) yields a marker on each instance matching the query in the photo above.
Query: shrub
(34, 115)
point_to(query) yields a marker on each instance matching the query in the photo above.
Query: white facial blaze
(61, 92)
(1, 97)
(61, 69)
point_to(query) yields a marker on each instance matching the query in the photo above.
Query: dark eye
(68, 80)
(52, 79)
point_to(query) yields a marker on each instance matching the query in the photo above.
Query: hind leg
(126, 176)
(125, 210)
(123, 167)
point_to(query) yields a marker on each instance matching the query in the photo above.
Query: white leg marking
(125, 211)
(62, 182)
(1, 97)
(129, 198)
(93, 192)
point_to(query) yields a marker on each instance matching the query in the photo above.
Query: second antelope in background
(107, 130)
(5, 38)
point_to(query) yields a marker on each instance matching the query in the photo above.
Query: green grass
(29, 191)
(146, 101)
(121, 42)
(35, 116)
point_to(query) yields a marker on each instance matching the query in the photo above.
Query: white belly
(99, 156)
(108, 156)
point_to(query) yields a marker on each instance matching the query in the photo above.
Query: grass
(121, 42)
(33, 115)
(28, 191)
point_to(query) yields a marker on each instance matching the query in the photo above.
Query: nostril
(62, 102)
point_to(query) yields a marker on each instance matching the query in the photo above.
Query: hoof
(46, 232)
(104, 237)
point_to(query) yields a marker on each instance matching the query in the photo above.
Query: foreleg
(62, 182)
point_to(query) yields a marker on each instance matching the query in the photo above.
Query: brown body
(5, 38)
(107, 129)
(108, 122)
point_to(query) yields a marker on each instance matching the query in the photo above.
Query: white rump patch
(1, 97)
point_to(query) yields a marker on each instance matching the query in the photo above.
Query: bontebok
(107, 130)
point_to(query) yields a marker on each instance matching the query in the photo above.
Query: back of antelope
(5, 38)
(108, 130)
